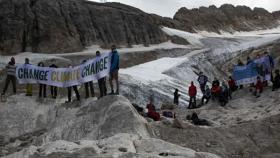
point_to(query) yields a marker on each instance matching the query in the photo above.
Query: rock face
(70, 25)
(227, 17)
(109, 127)
(32, 122)
(119, 146)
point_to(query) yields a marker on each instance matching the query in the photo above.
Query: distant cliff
(227, 18)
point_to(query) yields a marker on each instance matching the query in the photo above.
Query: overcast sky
(169, 7)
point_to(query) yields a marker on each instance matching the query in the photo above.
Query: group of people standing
(89, 86)
(221, 91)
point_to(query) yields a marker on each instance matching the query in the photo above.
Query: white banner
(94, 69)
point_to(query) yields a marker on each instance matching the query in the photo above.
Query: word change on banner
(94, 69)
(245, 74)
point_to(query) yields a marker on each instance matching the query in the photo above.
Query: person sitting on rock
(276, 81)
(176, 97)
(258, 87)
(206, 95)
(197, 121)
(152, 111)
(192, 95)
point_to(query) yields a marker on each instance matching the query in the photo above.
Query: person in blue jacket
(114, 70)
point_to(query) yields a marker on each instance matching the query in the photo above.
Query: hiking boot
(112, 92)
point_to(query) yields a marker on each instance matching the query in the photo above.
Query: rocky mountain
(70, 25)
(227, 18)
(61, 26)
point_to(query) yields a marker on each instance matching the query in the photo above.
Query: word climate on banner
(94, 69)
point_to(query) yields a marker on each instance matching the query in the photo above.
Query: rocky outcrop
(108, 127)
(59, 26)
(227, 18)
(54, 120)
(118, 146)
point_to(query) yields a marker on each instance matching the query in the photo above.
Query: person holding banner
(28, 85)
(42, 87)
(69, 90)
(11, 76)
(89, 85)
(101, 82)
(258, 87)
(53, 88)
(114, 70)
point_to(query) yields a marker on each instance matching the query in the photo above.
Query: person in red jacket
(192, 94)
(258, 87)
(152, 111)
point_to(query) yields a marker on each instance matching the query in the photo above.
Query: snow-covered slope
(160, 77)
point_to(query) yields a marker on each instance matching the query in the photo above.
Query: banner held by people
(65, 77)
(245, 74)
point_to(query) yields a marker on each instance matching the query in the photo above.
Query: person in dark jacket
(216, 89)
(88, 86)
(240, 63)
(215, 82)
(206, 95)
(114, 70)
(276, 81)
(11, 76)
(249, 60)
(197, 121)
(224, 95)
(232, 84)
(176, 97)
(202, 80)
(258, 87)
(42, 87)
(101, 82)
(53, 88)
(192, 95)
(271, 61)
